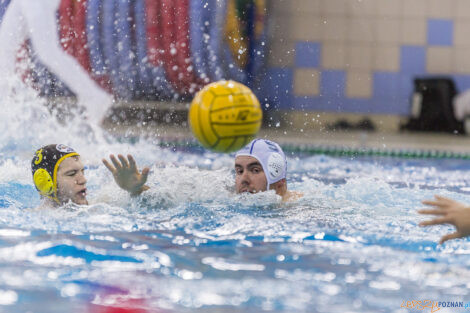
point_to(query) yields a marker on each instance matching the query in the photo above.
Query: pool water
(189, 244)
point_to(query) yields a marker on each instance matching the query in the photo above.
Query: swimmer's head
(259, 166)
(54, 169)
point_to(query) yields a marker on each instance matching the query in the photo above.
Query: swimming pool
(352, 244)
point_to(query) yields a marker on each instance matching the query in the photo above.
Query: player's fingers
(437, 204)
(436, 221)
(132, 163)
(116, 163)
(432, 212)
(109, 166)
(449, 237)
(441, 198)
(445, 201)
(123, 160)
(145, 174)
(430, 202)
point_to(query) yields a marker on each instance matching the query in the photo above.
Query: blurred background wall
(360, 56)
(337, 56)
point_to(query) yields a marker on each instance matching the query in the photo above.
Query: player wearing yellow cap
(59, 175)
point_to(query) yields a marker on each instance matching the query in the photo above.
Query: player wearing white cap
(260, 166)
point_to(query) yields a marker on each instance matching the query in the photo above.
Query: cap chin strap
(54, 180)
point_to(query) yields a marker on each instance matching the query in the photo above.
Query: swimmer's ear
(279, 185)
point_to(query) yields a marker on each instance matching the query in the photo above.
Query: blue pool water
(351, 244)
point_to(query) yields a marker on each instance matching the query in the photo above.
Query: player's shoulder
(291, 196)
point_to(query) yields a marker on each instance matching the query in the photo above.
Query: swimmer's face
(249, 175)
(71, 181)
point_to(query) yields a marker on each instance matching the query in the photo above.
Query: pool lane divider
(66, 26)
(153, 29)
(372, 152)
(144, 86)
(74, 40)
(154, 50)
(124, 45)
(80, 40)
(176, 54)
(199, 14)
(191, 83)
(235, 34)
(256, 68)
(110, 49)
(167, 22)
(217, 23)
(93, 20)
(235, 44)
(93, 29)
(337, 151)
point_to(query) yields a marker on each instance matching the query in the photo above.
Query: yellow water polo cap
(44, 168)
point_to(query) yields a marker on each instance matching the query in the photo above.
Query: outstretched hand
(451, 212)
(126, 174)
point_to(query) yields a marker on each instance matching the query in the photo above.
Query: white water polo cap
(270, 155)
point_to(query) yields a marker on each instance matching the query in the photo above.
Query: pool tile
(461, 37)
(386, 58)
(461, 64)
(332, 84)
(462, 82)
(440, 9)
(439, 60)
(306, 27)
(462, 9)
(414, 31)
(387, 8)
(359, 84)
(335, 28)
(363, 8)
(278, 86)
(307, 54)
(333, 56)
(388, 31)
(440, 32)
(306, 82)
(334, 7)
(413, 59)
(361, 30)
(414, 8)
(360, 56)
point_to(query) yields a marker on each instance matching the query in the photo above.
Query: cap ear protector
(43, 182)
(275, 165)
(44, 168)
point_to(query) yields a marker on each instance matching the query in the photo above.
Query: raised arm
(448, 211)
(126, 174)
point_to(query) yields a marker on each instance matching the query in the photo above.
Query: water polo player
(260, 166)
(59, 175)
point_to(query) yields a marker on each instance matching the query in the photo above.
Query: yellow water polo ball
(224, 116)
